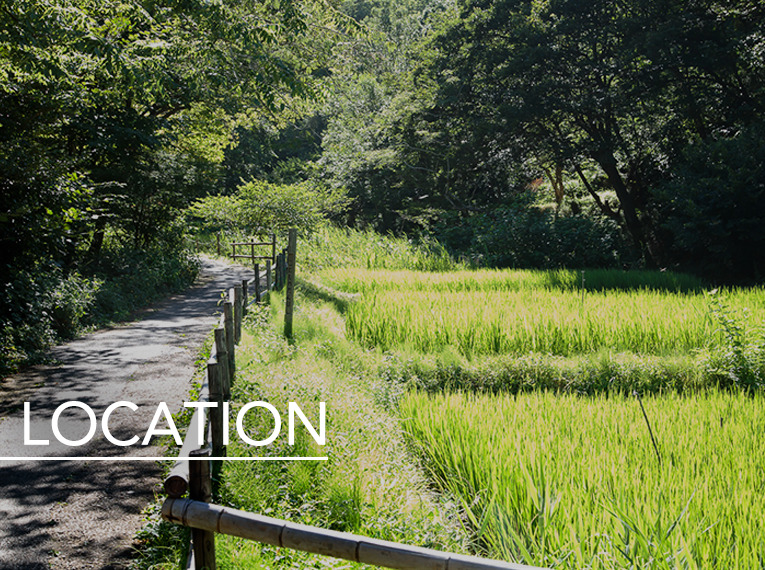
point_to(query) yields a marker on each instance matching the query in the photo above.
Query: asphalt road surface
(84, 514)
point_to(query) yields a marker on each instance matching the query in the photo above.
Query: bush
(260, 205)
(739, 361)
(526, 237)
(42, 304)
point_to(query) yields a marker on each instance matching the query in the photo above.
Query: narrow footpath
(84, 514)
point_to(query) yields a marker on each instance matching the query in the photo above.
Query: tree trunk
(607, 162)
(94, 249)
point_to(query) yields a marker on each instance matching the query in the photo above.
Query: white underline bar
(119, 458)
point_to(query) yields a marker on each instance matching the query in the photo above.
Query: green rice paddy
(557, 479)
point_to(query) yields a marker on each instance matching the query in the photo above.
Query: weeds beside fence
(197, 470)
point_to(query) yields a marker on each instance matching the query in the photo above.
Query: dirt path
(84, 514)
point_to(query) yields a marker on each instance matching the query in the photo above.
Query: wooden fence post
(217, 243)
(215, 379)
(290, 298)
(283, 268)
(237, 313)
(245, 296)
(228, 325)
(273, 248)
(268, 279)
(257, 283)
(222, 350)
(200, 489)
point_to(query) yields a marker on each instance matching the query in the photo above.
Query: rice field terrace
(520, 393)
(570, 482)
(555, 312)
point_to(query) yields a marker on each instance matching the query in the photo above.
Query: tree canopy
(118, 113)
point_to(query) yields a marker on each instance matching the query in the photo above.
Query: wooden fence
(196, 472)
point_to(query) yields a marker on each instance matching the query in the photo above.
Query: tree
(107, 93)
(624, 87)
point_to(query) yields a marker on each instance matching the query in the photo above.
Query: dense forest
(558, 133)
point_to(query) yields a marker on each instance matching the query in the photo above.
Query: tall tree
(110, 108)
(623, 87)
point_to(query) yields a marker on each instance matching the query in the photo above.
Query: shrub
(739, 360)
(260, 205)
(43, 304)
(514, 236)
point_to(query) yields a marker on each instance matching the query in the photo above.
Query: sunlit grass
(574, 482)
(363, 280)
(520, 312)
(368, 486)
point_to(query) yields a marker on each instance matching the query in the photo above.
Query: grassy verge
(369, 485)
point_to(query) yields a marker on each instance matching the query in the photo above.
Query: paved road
(80, 514)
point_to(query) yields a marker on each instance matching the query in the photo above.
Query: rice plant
(486, 312)
(573, 482)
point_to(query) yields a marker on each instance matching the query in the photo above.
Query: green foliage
(714, 204)
(43, 304)
(565, 481)
(527, 237)
(133, 278)
(159, 543)
(260, 206)
(739, 360)
(588, 86)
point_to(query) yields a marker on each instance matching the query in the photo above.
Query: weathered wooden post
(273, 249)
(268, 280)
(290, 298)
(257, 283)
(222, 351)
(237, 289)
(245, 296)
(228, 325)
(217, 243)
(284, 267)
(278, 268)
(200, 489)
(215, 379)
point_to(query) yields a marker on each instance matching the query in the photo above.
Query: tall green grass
(574, 482)
(333, 247)
(356, 280)
(518, 312)
(552, 322)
